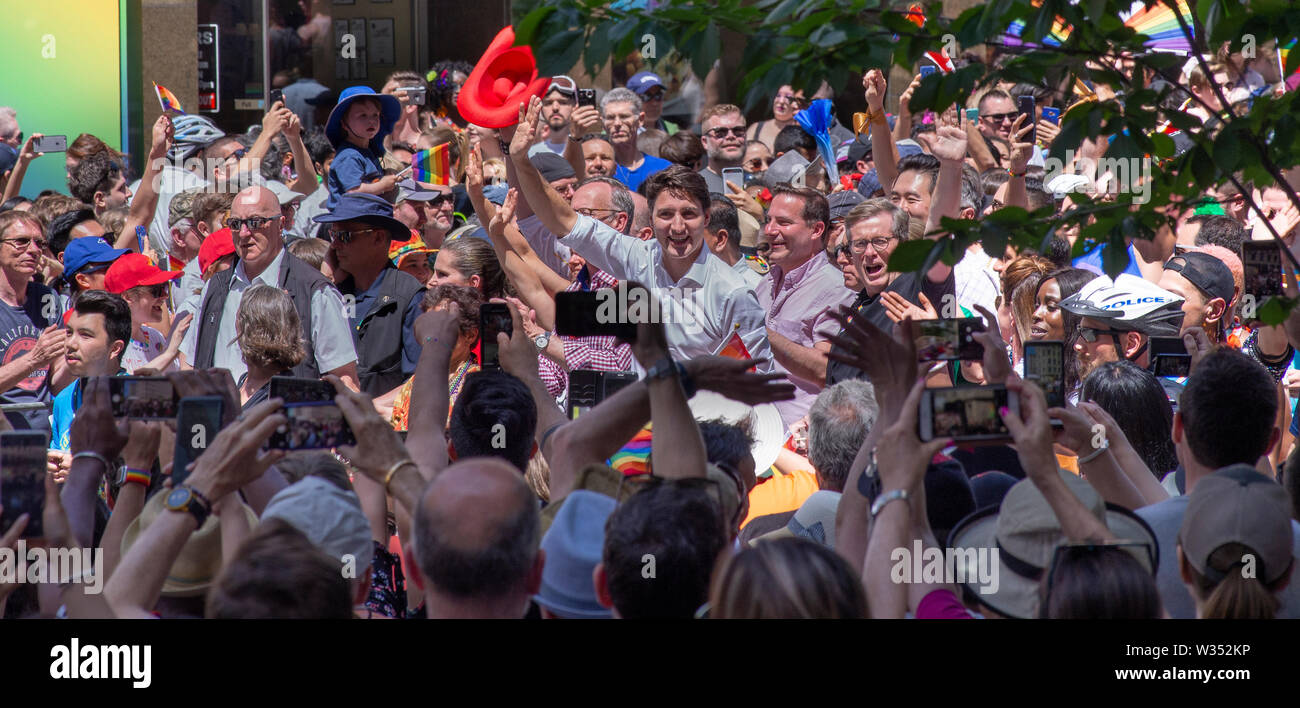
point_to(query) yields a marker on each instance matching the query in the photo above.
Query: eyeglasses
(759, 163)
(345, 236)
(1090, 334)
(253, 222)
(721, 132)
(1000, 117)
(588, 211)
(789, 98)
(879, 244)
(23, 242)
(653, 96)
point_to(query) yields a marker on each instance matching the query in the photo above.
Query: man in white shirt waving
(702, 301)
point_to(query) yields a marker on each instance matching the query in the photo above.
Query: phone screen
(966, 413)
(494, 317)
(947, 340)
(1052, 115)
(1169, 357)
(142, 397)
(1261, 263)
(927, 70)
(295, 390)
(1045, 366)
(312, 426)
(198, 421)
(22, 480)
(277, 96)
(595, 313)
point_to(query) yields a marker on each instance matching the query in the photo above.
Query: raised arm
(556, 214)
(94, 439)
(305, 183)
(886, 159)
(146, 200)
(950, 148)
(25, 157)
(1021, 152)
(585, 120)
(437, 331)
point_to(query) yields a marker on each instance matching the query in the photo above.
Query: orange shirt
(780, 493)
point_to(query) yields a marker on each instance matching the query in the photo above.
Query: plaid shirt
(596, 353)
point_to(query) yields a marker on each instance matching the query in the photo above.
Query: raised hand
(901, 457)
(873, 84)
(585, 120)
(996, 365)
(949, 144)
(474, 170)
(1031, 429)
(504, 215)
(1022, 148)
(899, 308)
(526, 131)
(733, 379)
(233, 459)
(378, 446)
(439, 326)
(903, 108)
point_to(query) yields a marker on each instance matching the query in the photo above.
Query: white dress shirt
(700, 311)
(547, 247)
(331, 337)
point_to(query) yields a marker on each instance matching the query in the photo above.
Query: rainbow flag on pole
(432, 166)
(167, 99)
(735, 348)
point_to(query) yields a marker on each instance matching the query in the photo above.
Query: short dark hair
(815, 206)
(279, 574)
(117, 315)
(488, 399)
(792, 137)
(726, 444)
(311, 251)
(681, 526)
(1100, 583)
(723, 214)
(60, 229)
(492, 570)
(682, 148)
(681, 181)
(96, 173)
(1223, 231)
(318, 145)
(923, 163)
(1228, 409)
(1137, 402)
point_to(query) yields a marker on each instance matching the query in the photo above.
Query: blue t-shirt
(20, 327)
(633, 179)
(1093, 260)
(66, 405)
(352, 167)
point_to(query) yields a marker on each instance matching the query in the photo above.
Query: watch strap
(197, 505)
(887, 497)
(132, 475)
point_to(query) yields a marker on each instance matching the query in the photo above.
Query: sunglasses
(760, 163)
(345, 237)
(1000, 117)
(657, 95)
(159, 290)
(720, 133)
(23, 242)
(789, 98)
(1090, 334)
(253, 222)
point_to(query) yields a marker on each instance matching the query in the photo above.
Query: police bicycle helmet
(192, 133)
(1128, 304)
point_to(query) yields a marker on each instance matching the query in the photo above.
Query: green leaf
(526, 28)
(909, 256)
(1227, 150)
(1274, 311)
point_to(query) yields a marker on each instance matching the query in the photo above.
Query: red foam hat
(217, 244)
(133, 270)
(504, 77)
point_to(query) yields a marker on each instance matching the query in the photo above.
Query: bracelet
(1015, 174)
(108, 466)
(884, 499)
(1105, 445)
(136, 476)
(392, 471)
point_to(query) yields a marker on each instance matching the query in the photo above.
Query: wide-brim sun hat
(390, 109)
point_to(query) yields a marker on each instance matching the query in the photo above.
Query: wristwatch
(188, 499)
(666, 367)
(541, 340)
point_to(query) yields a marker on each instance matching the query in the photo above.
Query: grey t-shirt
(20, 327)
(1166, 518)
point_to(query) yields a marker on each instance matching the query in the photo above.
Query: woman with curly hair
(462, 364)
(445, 79)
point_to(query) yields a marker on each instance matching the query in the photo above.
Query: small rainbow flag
(735, 348)
(167, 99)
(432, 166)
(634, 457)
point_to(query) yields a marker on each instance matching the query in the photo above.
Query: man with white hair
(621, 112)
(259, 244)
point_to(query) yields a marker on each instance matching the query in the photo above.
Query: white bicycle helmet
(192, 133)
(1130, 304)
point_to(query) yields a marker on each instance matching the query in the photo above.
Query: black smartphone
(965, 413)
(1025, 105)
(51, 143)
(1261, 264)
(586, 97)
(594, 313)
(1169, 357)
(588, 388)
(493, 317)
(142, 397)
(1045, 366)
(198, 420)
(947, 340)
(295, 390)
(23, 457)
(312, 426)
(277, 95)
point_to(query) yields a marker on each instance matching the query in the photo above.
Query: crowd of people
(1102, 485)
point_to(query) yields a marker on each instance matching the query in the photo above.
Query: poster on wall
(381, 41)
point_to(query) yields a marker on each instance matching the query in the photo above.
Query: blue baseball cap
(83, 252)
(642, 82)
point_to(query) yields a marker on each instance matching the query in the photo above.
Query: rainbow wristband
(137, 476)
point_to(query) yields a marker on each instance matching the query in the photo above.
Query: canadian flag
(941, 60)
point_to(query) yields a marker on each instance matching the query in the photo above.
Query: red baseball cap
(505, 76)
(133, 270)
(217, 244)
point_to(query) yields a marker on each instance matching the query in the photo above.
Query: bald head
(256, 246)
(477, 530)
(256, 198)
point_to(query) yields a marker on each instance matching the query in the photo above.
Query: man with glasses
(723, 136)
(1119, 319)
(650, 88)
(622, 112)
(997, 113)
(33, 340)
(259, 245)
(557, 108)
(385, 300)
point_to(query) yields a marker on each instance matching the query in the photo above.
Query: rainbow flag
(1284, 51)
(1160, 25)
(167, 99)
(634, 457)
(735, 348)
(432, 166)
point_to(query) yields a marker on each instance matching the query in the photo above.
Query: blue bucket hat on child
(390, 111)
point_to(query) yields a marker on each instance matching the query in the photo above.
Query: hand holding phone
(965, 413)
(22, 480)
(1045, 366)
(734, 175)
(50, 143)
(589, 314)
(142, 397)
(586, 97)
(277, 96)
(198, 421)
(949, 340)
(312, 426)
(494, 318)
